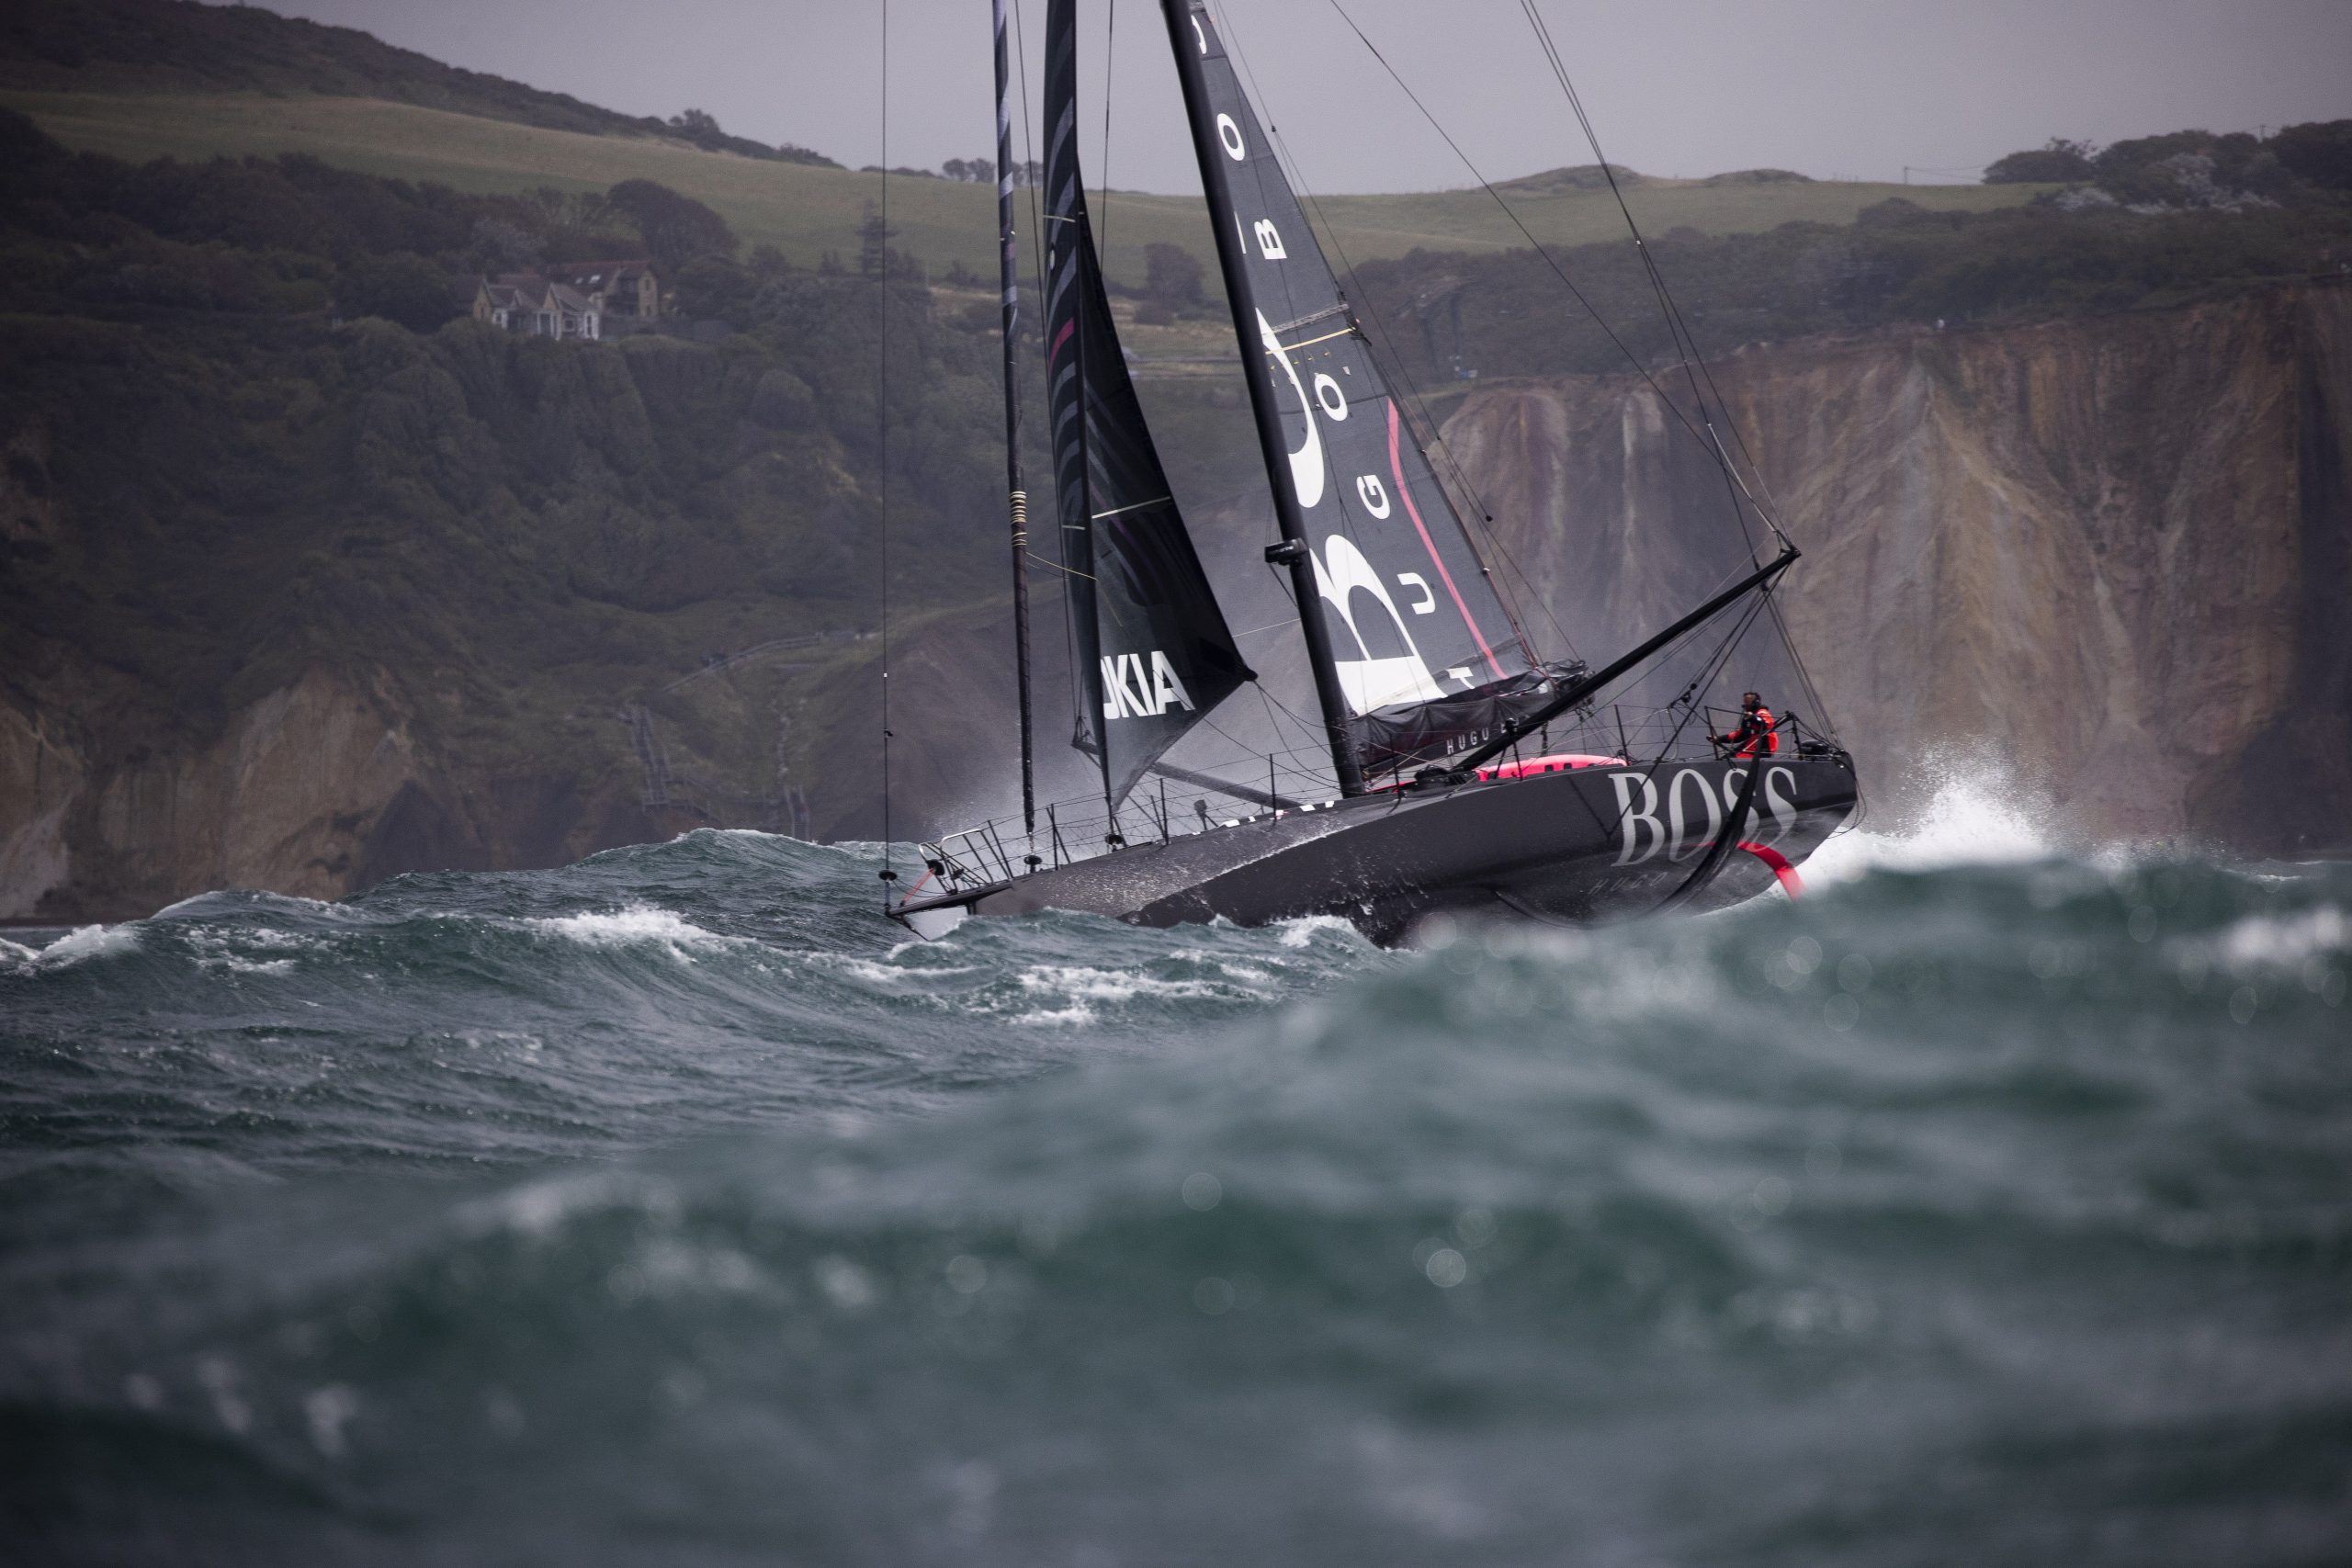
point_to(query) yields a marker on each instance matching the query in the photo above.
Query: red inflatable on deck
(1559, 762)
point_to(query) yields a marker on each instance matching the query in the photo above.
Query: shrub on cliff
(2195, 169)
(2319, 152)
(1447, 315)
(2058, 162)
(1172, 278)
(402, 287)
(676, 228)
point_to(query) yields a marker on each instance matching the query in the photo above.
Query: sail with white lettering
(1154, 652)
(1418, 633)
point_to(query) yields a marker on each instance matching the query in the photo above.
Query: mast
(1017, 497)
(1188, 42)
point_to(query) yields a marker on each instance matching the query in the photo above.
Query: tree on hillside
(2058, 162)
(701, 128)
(2319, 152)
(402, 287)
(503, 246)
(675, 228)
(873, 243)
(1171, 274)
(575, 208)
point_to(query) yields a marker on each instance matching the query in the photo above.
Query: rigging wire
(882, 450)
(1694, 368)
(1674, 311)
(1110, 58)
(1677, 331)
(1672, 406)
(1632, 359)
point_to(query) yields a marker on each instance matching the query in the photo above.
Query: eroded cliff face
(2114, 553)
(316, 789)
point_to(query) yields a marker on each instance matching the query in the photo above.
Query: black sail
(1154, 652)
(1418, 635)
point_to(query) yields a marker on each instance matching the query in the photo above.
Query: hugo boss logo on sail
(1361, 569)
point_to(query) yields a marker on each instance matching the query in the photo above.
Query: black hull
(1584, 847)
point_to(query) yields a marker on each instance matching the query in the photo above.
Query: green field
(805, 211)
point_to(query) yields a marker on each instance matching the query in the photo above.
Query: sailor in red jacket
(1757, 735)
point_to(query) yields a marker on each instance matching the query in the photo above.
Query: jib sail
(1418, 634)
(1154, 651)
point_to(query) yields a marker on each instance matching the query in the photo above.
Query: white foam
(637, 925)
(1980, 820)
(237, 965)
(1302, 930)
(2272, 942)
(1112, 985)
(217, 949)
(85, 943)
(539, 1208)
(263, 936)
(1076, 1013)
(891, 973)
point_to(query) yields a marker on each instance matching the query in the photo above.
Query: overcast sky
(1831, 88)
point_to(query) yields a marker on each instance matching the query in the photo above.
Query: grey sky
(1828, 88)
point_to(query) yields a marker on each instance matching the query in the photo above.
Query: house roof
(595, 274)
(528, 291)
(526, 288)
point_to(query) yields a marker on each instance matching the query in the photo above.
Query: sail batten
(1403, 601)
(1154, 652)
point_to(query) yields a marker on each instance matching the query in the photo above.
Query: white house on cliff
(572, 300)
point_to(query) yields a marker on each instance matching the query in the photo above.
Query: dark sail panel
(1413, 617)
(1412, 735)
(1154, 649)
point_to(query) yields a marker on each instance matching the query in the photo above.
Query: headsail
(1415, 625)
(1154, 653)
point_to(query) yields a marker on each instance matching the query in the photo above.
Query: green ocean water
(1989, 1204)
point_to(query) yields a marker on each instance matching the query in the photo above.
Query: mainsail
(1417, 634)
(1154, 653)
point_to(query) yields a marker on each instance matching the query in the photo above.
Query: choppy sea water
(1990, 1205)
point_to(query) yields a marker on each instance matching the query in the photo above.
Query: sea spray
(674, 1208)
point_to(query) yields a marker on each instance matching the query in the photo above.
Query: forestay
(1413, 617)
(1154, 652)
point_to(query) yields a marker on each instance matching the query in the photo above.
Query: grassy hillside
(805, 211)
(173, 46)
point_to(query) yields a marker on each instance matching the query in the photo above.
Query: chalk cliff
(317, 788)
(2114, 553)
